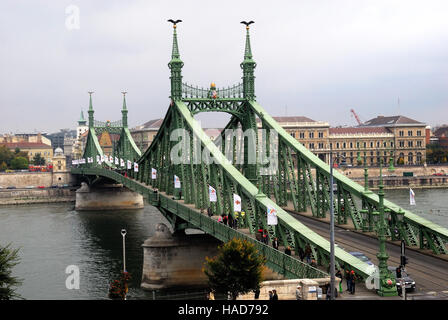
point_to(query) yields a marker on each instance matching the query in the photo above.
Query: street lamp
(387, 281)
(332, 267)
(123, 233)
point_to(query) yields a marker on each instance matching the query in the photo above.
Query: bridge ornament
(299, 181)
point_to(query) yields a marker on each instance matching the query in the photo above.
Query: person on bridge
(275, 243)
(352, 282)
(308, 254)
(288, 250)
(209, 212)
(299, 292)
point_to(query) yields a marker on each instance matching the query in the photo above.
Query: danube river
(54, 236)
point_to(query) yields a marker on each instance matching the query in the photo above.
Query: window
(311, 135)
(365, 144)
(344, 145)
(311, 145)
(419, 143)
(410, 144)
(293, 134)
(321, 145)
(419, 158)
(410, 133)
(337, 145)
(419, 133)
(401, 133)
(302, 135)
(321, 134)
(401, 143)
(351, 145)
(410, 158)
(371, 144)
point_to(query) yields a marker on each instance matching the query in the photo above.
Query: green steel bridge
(285, 175)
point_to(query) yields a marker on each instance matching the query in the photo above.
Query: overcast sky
(314, 58)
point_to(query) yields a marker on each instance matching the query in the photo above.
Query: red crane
(356, 116)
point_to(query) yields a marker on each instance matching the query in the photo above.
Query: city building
(354, 144)
(144, 135)
(441, 134)
(409, 138)
(32, 148)
(312, 134)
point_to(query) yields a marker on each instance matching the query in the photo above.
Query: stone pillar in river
(176, 260)
(107, 197)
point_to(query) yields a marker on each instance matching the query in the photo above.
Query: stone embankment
(25, 196)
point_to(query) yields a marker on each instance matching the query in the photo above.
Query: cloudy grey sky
(314, 58)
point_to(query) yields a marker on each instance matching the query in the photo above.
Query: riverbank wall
(401, 177)
(21, 196)
(33, 179)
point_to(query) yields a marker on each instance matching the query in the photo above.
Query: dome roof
(58, 151)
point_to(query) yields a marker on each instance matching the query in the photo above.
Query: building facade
(144, 135)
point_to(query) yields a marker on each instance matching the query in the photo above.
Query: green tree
(3, 166)
(237, 269)
(6, 155)
(19, 163)
(9, 258)
(38, 160)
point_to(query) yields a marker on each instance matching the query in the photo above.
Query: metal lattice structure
(285, 175)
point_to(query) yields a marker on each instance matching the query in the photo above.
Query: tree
(237, 269)
(19, 163)
(8, 259)
(38, 160)
(6, 155)
(3, 166)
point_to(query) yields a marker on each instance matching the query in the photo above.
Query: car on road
(29, 187)
(361, 256)
(11, 187)
(41, 187)
(408, 281)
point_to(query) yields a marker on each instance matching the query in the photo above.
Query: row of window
(410, 133)
(46, 153)
(310, 135)
(410, 144)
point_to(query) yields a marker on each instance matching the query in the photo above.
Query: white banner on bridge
(111, 159)
(116, 161)
(212, 194)
(272, 216)
(135, 167)
(411, 197)
(176, 182)
(98, 159)
(121, 162)
(129, 163)
(236, 203)
(153, 173)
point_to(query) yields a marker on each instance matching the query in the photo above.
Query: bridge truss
(285, 175)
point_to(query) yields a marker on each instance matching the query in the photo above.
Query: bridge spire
(124, 111)
(175, 65)
(248, 65)
(91, 120)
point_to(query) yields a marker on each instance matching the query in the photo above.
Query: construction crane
(356, 117)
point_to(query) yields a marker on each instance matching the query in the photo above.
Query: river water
(54, 236)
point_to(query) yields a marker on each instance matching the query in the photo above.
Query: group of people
(273, 295)
(350, 277)
(229, 220)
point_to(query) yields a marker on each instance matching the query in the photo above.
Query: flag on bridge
(236, 203)
(116, 161)
(111, 159)
(98, 159)
(411, 197)
(121, 162)
(135, 167)
(129, 163)
(212, 194)
(153, 173)
(176, 182)
(272, 215)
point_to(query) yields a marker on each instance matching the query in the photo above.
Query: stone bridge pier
(176, 260)
(107, 197)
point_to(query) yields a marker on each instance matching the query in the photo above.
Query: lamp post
(387, 282)
(123, 233)
(332, 267)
